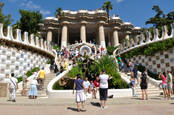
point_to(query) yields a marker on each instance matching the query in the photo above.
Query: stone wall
(159, 62)
(19, 60)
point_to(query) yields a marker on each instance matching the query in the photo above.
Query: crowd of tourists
(83, 87)
(143, 79)
(36, 83)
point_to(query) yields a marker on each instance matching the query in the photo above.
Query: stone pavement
(116, 106)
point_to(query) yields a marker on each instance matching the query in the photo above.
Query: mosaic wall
(19, 61)
(160, 62)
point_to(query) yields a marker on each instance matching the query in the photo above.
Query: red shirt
(96, 83)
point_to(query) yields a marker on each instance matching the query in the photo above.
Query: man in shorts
(80, 96)
(103, 89)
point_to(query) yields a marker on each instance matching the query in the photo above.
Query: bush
(151, 49)
(19, 79)
(56, 86)
(49, 61)
(74, 71)
(111, 49)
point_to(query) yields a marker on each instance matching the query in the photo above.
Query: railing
(34, 41)
(145, 39)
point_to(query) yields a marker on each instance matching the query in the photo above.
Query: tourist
(91, 87)
(65, 64)
(24, 84)
(13, 85)
(33, 88)
(80, 96)
(103, 89)
(143, 85)
(41, 78)
(131, 66)
(135, 71)
(86, 85)
(169, 84)
(93, 50)
(96, 86)
(164, 83)
(133, 85)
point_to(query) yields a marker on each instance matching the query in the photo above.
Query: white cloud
(45, 12)
(118, 1)
(32, 6)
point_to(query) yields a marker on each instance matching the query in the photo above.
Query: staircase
(152, 89)
(43, 92)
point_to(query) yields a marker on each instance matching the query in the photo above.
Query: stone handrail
(153, 81)
(54, 80)
(143, 40)
(34, 41)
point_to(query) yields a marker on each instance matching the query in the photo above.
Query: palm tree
(58, 11)
(107, 6)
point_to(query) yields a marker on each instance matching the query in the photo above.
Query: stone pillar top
(83, 22)
(116, 28)
(101, 23)
(65, 23)
(128, 32)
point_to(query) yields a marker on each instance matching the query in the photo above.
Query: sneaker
(105, 107)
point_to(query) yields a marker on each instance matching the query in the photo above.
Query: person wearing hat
(33, 88)
(80, 96)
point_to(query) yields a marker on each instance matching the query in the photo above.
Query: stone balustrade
(145, 39)
(34, 41)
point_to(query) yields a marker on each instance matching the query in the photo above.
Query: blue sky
(135, 11)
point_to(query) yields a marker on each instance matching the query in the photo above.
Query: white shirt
(13, 81)
(34, 82)
(103, 80)
(86, 84)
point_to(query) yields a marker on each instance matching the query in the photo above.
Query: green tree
(107, 6)
(58, 12)
(6, 20)
(29, 21)
(160, 19)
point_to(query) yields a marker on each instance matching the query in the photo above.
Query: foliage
(29, 21)
(5, 20)
(95, 67)
(56, 86)
(107, 63)
(49, 61)
(151, 49)
(29, 73)
(111, 49)
(160, 18)
(58, 12)
(107, 6)
(56, 47)
(19, 79)
(74, 71)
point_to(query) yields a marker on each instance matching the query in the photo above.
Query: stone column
(102, 35)
(115, 36)
(128, 35)
(83, 32)
(64, 35)
(128, 38)
(49, 35)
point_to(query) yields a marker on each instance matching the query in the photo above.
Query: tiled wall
(19, 61)
(159, 62)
